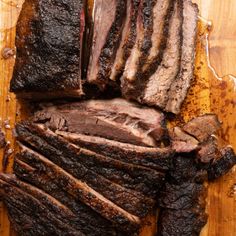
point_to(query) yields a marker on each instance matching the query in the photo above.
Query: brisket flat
(31, 206)
(183, 199)
(154, 158)
(152, 24)
(108, 23)
(159, 83)
(81, 191)
(180, 86)
(114, 119)
(97, 224)
(127, 40)
(223, 165)
(67, 156)
(49, 48)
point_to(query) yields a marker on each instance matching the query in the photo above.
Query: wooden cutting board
(209, 94)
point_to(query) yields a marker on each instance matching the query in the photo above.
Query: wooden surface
(209, 94)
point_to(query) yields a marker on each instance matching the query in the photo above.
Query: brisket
(114, 119)
(81, 191)
(180, 86)
(182, 222)
(67, 156)
(158, 85)
(128, 39)
(31, 206)
(49, 48)
(221, 166)
(155, 158)
(183, 199)
(152, 24)
(108, 22)
(97, 224)
(202, 127)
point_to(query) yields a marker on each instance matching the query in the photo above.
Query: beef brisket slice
(202, 127)
(91, 223)
(127, 40)
(49, 43)
(159, 83)
(81, 191)
(68, 157)
(108, 22)
(154, 158)
(114, 119)
(180, 86)
(147, 52)
(182, 222)
(31, 206)
(221, 166)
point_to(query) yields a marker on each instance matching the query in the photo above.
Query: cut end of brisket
(48, 60)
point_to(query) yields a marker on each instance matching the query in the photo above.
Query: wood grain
(209, 94)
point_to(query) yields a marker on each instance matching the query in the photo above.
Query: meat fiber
(127, 40)
(49, 49)
(180, 86)
(2, 139)
(114, 119)
(108, 23)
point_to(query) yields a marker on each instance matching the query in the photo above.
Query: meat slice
(81, 191)
(159, 83)
(107, 33)
(180, 86)
(149, 44)
(221, 166)
(49, 48)
(182, 142)
(114, 119)
(31, 206)
(69, 158)
(127, 40)
(183, 199)
(182, 222)
(202, 127)
(155, 158)
(97, 224)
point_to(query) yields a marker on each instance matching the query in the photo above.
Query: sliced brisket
(224, 164)
(127, 40)
(97, 224)
(202, 127)
(108, 22)
(180, 86)
(49, 48)
(152, 24)
(31, 206)
(183, 199)
(154, 158)
(81, 191)
(158, 85)
(114, 119)
(68, 157)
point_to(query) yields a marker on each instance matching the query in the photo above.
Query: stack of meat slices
(145, 48)
(100, 167)
(97, 162)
